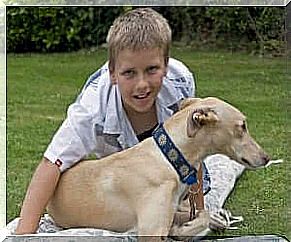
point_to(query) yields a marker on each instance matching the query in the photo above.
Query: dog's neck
(185, 170)
(191, 149)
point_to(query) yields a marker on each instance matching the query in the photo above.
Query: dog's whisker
(279, 161)
(232, 228)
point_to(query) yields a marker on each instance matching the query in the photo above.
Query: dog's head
(222, 128)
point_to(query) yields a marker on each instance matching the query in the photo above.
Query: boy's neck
(142, 122)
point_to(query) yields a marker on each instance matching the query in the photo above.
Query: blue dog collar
(186, 172)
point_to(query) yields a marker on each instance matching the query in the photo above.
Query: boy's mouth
(142, 95)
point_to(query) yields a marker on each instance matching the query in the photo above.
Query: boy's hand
(26, 227)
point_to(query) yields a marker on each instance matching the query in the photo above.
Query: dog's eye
(241, 129)
(244, 127)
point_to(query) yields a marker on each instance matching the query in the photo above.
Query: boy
(119, 106)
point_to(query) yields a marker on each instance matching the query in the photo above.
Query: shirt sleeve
(74, 140)
(76, 137)
(182, 78)
(190, 85)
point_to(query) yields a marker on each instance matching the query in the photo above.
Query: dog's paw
(202, 219)
(223, 219)
(194, 227)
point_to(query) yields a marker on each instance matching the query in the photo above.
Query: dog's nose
(265, 158)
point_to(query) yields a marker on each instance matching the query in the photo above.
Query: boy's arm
(39, 192)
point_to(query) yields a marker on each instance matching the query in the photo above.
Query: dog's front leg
(155, 216)
(191, 228)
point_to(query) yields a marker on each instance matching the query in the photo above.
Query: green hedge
(51, 29)
(54, 29)
(259, 29)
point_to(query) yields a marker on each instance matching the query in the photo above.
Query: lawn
(40, 87)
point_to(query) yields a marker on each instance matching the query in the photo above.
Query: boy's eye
(128, 73)
(152, 69)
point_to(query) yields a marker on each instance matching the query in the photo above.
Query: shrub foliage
(52, 29)
(259, 29)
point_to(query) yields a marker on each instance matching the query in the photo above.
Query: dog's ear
(198, 118)
(188, 101)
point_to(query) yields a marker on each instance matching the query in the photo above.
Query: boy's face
(139, 76)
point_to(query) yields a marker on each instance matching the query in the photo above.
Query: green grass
(40, 88)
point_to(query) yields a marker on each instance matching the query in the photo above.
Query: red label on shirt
(58, 163)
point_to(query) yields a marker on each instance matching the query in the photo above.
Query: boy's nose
(142, 82)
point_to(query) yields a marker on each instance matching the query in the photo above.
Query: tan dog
(138, 189)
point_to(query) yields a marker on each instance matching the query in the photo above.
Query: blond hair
(141, 28)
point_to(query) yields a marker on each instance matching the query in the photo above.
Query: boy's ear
(166, 61)
(166, 65)
(113, 77)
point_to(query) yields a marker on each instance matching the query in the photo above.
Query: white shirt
(96, 122)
